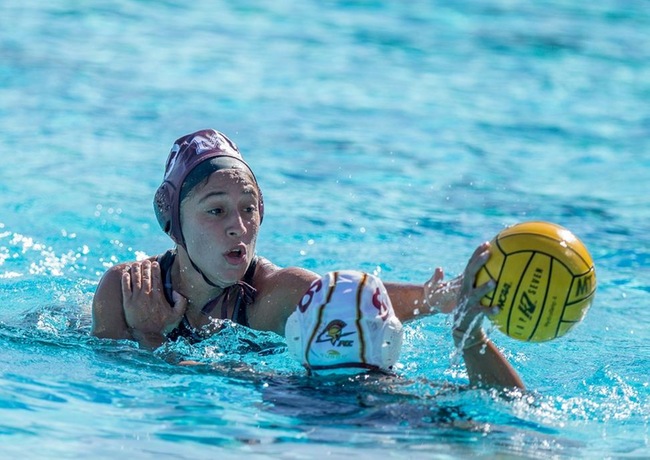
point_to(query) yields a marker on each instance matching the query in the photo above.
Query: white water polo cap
(345, 323)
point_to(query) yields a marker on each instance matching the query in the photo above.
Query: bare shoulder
(108, 317)
(278, 292)
(107, 312)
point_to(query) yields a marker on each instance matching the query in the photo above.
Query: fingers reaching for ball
(469, 311)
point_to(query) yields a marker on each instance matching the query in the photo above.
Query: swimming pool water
(387, 136)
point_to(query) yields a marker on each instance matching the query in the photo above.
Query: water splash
(235, 346)
(24, 256)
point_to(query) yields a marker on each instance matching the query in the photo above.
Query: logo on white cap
(333, 333)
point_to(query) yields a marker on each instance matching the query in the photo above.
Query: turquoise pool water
(387, 136)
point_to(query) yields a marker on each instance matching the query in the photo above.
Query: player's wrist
(467, 339)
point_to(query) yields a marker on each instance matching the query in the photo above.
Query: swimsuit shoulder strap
(246, 295)
(166, 261)
(248, 276)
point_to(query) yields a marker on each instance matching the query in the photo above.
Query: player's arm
(411, 301)
(486, 365)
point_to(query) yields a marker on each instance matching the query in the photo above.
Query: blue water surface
(387, 136)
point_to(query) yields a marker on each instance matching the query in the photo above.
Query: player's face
(220, 220)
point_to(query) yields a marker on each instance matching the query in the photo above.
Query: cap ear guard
(163, 207)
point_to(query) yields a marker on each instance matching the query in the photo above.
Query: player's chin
(232, 274)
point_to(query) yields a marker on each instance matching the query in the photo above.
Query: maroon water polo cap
(187, 153)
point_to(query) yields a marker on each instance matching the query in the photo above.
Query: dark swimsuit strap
(165, 261)
(241, 294)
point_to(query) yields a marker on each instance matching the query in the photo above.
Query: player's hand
(469, 312)
(441, 296)
(146, 310)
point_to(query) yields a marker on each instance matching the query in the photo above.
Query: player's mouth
(236, 255)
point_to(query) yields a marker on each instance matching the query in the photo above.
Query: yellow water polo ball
(545, 281)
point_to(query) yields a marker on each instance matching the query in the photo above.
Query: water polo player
(211, 206)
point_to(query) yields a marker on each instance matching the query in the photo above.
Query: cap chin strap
(203, 275)
(194, 266)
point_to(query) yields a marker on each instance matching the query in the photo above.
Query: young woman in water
(211, 206)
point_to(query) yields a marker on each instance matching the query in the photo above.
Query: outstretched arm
(411, 301)
(486, 366)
